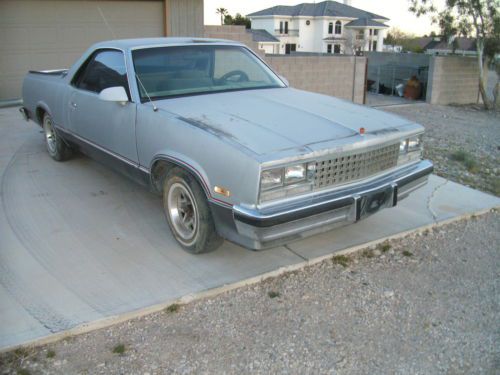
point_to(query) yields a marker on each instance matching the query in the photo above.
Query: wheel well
(40, 112)
(161, 167)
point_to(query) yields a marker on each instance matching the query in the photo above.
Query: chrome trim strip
(105, 150)
(144, 169)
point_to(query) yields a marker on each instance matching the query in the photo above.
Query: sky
(396, 10)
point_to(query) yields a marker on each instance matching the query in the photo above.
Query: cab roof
(129, 44)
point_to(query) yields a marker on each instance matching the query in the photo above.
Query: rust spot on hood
(204, 124)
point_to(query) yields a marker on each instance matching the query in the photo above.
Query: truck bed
(44, 89)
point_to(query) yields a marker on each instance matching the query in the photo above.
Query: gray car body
(224, 139)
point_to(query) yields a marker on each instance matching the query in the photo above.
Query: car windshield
(164, 72)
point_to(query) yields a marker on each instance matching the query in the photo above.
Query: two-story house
(325, 27)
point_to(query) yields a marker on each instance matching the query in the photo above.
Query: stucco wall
(453, 80)
(340, 76)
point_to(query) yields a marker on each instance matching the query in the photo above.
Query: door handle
(73, 104)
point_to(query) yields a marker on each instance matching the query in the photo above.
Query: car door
(107, 126)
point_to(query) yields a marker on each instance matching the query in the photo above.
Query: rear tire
(56, 147)
(188, 214)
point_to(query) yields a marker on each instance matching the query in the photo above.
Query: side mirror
(114, 94)
(285, 81)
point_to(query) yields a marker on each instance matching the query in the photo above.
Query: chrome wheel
(183, 212)
(50, 135)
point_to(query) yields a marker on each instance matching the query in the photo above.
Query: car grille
(349, 167)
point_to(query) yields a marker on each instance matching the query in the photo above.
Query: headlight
(410, 149)
(286, 181)
(295, 173)
(271, 178)
(415, 144)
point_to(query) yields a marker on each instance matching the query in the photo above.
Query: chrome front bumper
(278, 224)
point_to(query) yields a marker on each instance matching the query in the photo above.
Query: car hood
(270, 120)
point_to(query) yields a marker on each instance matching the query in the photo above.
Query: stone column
(367, 40)
(380, 40)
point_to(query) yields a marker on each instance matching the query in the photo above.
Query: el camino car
(235, 152)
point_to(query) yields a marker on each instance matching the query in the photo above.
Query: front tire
(188, 214)
(56, 147)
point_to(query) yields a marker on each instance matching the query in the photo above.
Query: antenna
(155, 108)
(106, 22)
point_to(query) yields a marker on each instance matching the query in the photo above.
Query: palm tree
(223, 13)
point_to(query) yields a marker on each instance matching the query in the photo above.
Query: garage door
(52, 34)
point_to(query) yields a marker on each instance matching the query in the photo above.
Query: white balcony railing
(291, 32)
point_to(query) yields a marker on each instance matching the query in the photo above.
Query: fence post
(378, 79)
(393, 79)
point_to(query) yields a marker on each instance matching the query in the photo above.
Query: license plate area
(372, 202)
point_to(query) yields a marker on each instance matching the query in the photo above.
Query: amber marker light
(222, 191)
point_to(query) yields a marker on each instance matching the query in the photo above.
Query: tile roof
(464, 44)
(438, 43)
(364, 22)
(259, 35)
(324, 8)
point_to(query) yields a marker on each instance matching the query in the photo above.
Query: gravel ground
(424, 304)
(462, 141)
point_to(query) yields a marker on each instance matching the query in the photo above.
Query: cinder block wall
(340, 76)
(335, 75)
(453, 80)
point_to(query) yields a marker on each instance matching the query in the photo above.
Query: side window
(338, 27)
(105, 69)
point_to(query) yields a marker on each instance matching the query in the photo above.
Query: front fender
(215, 162)
(190, 165)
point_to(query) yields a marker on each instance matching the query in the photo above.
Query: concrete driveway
(79, 243)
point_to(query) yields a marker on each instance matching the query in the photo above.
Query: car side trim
(103, 149)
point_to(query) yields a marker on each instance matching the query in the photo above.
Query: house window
(336, 49)
(371, 31)
(375, 32)
(338, 27)
(330, 28)
(328, 48)
(283, 27)
(374, 46)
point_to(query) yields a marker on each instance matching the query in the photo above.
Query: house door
(290, 48)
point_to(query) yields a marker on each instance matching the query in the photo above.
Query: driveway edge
(116, 319)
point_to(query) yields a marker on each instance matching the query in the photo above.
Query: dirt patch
(462, 141)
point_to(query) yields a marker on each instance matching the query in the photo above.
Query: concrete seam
(429, 200)
(294, 252)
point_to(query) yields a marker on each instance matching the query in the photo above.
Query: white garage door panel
(52, 34)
